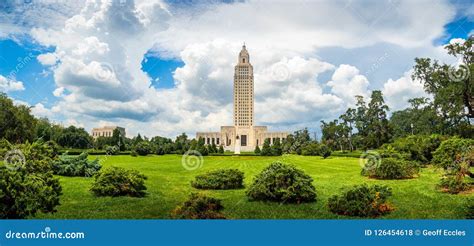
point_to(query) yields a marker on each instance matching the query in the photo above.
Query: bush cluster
(450, 150)
(362, 201)
(390, 168)
(199, 206)
(112, 150)
(314, 148)
(143, 148)
(71, 165)
(29, 186)
(417, 148)
(282, 183)
(221, 179)
(117, 181)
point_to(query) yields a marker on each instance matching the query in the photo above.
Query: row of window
(102, 134)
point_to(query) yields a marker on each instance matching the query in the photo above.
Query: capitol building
(244, 135)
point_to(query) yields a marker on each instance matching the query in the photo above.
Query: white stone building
(243, 135)
(107, 131)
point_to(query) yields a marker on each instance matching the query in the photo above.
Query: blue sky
(186, 82)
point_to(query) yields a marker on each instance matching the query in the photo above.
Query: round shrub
(282, 183)
(447, 153)
(221, 179)
(71, 165)
(143, 148)
(390, 168)
(112, 150)
(117, 181)
(199, 206)
(362, 201)
(324, 151)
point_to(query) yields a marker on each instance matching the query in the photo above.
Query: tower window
(244, 60)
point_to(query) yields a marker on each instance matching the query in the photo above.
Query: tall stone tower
(244, 135)
(243, 91)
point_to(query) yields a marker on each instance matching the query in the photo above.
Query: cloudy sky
(166, 67)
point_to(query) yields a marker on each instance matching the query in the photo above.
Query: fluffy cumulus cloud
(397, 92)
(347, 82)
(7, 84)
(99, 48)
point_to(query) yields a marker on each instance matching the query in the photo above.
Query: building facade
(107, 131)
(243, 135)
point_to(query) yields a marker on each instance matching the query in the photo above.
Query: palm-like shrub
(282, 183)
(221, 179)
(71, 165)
(117, 181)
(199, 206)
(362, 201)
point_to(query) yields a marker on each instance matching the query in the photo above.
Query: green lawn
(169, 185)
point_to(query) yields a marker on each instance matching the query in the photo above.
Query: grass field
(169, 185)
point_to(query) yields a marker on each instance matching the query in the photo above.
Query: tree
(266, 150)
(257, 150)
(276, 147)
(378, 127)
(73, 137)
(17, 125)
(452, 88)
(348, 120)
(221, 149)
(118, 140)
(181, 143)
(419, 118)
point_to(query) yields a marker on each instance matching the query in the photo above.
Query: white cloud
(7, 84)
(99, 49)
(347, 83)
(47, 59)
(397, 92)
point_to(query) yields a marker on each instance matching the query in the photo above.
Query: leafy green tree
(73, 137)
(118, 140)
(221, 149)
(44, 129)
(17, 125)
(257, 150)
(182, 143)
(347, 125)
(378, 128)
(419, 118)
(452, 88)
(266, 150)
(276, 147)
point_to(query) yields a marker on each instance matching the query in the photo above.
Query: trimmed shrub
(390, 168)
(27, 185)
(143, 148)
(446, 154)
(310, 148)
(72, 165)
(133, 153)
(455, 178)
(117, 181)
(362, 201)
(199, 206)
(324, 151)
(221, 179)
(282, 183)
(112, 150)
